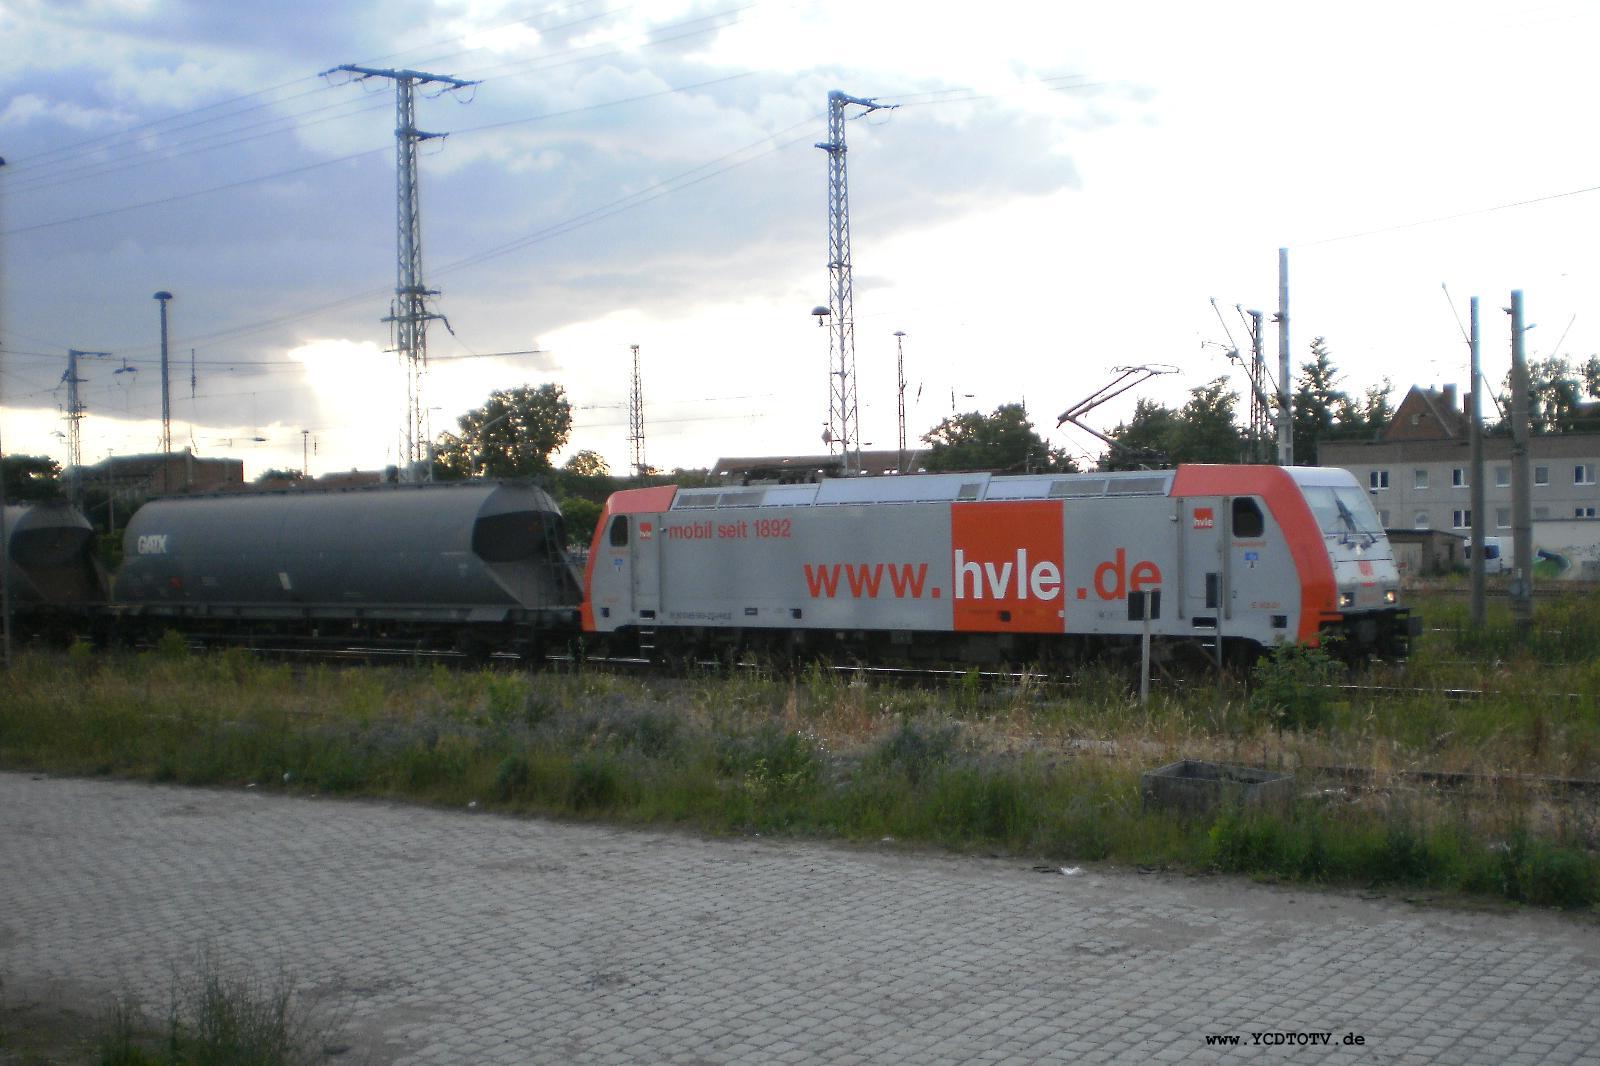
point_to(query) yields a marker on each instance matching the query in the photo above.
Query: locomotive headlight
(1391, 596)
(1346, 599)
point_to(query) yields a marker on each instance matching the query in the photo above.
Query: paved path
(458, 937)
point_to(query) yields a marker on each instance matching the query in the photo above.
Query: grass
(1025, 769)
(217, 1016)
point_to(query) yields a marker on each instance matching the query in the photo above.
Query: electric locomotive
(980, 568)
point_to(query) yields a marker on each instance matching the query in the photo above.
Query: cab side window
(1247, 518)
(619, 531)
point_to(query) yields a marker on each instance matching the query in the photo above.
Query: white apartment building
(1419, 476)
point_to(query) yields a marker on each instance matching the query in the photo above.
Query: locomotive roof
(932, 488)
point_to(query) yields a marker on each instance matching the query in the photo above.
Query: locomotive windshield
(1343, 510)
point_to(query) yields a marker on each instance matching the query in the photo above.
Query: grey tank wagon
(54, 579)
(476, 566)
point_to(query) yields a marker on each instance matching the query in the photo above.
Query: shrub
(1293, 685)
(217, 1018)
(916, 748)
(596, 784)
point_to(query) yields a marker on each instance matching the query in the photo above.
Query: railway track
(1462, 782)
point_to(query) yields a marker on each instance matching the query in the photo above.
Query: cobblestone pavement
(460, 937)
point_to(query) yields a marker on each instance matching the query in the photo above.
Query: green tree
(1004, 441)
(32, 478)
(512, 435)
(1591, 377)
(588, 463)
(1555, 390)
(695, 478)
(276, 474)
(1203, 430)
(581, 516)
(1142, 441)
(1318, 403)
(1375, 411)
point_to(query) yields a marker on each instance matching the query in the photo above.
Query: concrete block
(1192, 787)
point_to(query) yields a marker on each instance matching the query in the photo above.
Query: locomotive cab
(1366, 615)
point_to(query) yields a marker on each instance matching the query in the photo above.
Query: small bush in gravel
(219, 1017)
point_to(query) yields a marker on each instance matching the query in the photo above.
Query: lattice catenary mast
(843, 434)
(410, 312)
(641, 470)
(75, 411)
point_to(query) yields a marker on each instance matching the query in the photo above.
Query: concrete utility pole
(1478, 488)
(641, 469)
(1285, 414)
(844, 415)
(166, 393)
(5, 545)
(410, 314)
(1521, 478)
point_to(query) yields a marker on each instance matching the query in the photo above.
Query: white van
(1495, 560)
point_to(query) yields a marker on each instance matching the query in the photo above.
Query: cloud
(693, 219)
(31, 107)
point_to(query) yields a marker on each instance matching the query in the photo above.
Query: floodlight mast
(843, 434)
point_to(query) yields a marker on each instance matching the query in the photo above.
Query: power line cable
(646, 195)
(654, 192)
(196, 146)
(290, 172)
(177, 197)
(1448, 218)
(538, 65)
(129, 131)
(99, 141)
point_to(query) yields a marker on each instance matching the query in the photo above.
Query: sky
(1059, 190)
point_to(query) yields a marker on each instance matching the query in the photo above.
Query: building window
(1378, 479)
(1541, 514)
(1461, 519)
(1583, 512)
(1458, 477)
(1419, 479)
(1421, 521)
(1502, 476)
(1502, 518)
(1541, 475)
(1583, 474)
